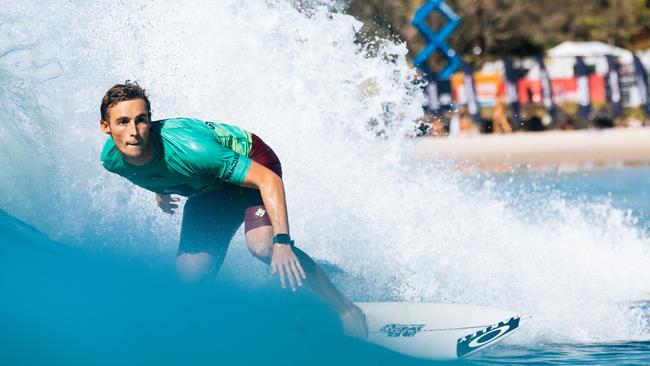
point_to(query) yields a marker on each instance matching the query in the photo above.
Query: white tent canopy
(589, 49)
(561, 58)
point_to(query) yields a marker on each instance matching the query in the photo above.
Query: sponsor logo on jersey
(231, 170)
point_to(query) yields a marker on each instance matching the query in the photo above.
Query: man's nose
(133, 130)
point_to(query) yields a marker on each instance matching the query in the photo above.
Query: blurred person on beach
(567, 124)
(633, 122)
(437, 128)
(500, 122)
(466, 124)
(603, 120)
(230, 177)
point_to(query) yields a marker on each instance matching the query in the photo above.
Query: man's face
(128, 124)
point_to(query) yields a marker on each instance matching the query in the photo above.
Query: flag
(641, 76)
(547, 90)
(613, 86)
(582, 74)
(512, 95)
(470, 94)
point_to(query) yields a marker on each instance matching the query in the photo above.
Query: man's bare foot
(354, 322)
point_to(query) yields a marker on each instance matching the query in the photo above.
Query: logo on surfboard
(476, 341)
(402, 330)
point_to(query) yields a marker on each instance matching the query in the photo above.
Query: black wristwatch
(282, 239)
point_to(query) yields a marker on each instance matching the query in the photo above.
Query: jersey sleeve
(230, 166)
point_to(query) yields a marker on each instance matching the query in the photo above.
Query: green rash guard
(190, 157)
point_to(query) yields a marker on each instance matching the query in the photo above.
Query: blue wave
(65, 305)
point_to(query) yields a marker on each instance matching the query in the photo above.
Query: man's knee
(259, 242)
(260, 250)
(194, 267)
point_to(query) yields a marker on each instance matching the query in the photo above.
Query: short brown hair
(120, 92)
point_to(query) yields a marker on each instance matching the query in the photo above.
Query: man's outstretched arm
(284, 260)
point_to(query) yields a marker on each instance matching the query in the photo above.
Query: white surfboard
(438, 331)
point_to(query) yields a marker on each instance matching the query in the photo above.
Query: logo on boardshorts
(260, 212)
(401, 330)
(476, 341)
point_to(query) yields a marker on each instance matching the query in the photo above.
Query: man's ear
(104, 125)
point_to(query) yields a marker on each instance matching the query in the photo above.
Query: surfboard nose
(438, 331)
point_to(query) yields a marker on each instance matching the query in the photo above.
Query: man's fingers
(296, 273)
(282, 280)
(300, 270)
(289, 273)
(164, 202)
(162, 197)
(274, 269)
(166, 209)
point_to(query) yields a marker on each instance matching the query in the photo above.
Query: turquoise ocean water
(65, 305)
(86, 259)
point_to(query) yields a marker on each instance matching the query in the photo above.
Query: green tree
(493, 29)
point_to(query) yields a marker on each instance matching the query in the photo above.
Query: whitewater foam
(336, 115)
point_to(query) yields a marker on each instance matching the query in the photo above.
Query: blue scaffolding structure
(436, 40)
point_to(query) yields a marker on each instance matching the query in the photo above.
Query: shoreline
(549, 150)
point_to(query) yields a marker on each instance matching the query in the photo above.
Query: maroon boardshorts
(210, 220)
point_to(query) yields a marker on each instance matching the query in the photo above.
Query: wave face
(69, 306)
(297, 77)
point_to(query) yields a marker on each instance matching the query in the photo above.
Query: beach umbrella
(470, 94)
(614, 86)
(641, 76)
(584, 99)
(547, 90)
(512, 95)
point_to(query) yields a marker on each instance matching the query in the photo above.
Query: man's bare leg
(259, 242)
(195, 267)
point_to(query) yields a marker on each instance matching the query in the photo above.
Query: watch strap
(282, 239)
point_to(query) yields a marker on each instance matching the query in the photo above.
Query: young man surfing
(230, 176)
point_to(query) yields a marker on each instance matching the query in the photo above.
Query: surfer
(230, 176)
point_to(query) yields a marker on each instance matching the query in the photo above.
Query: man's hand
(165, 202)
(285, 262)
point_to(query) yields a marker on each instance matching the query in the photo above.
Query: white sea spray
(337, 118)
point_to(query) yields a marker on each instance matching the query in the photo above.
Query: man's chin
(133, 155)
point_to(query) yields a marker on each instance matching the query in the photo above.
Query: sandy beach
(561, 150)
